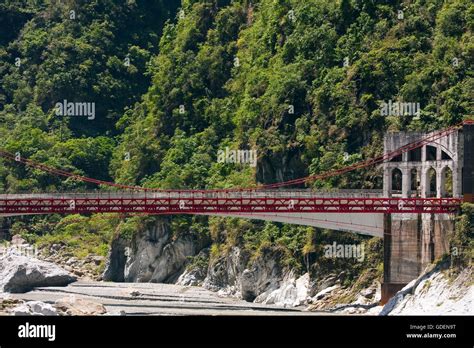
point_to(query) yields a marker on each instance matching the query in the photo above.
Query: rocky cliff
(154, 255)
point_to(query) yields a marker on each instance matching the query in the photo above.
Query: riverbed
(157, 299)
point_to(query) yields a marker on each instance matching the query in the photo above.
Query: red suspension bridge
(192, 202)
(262, 199)
(414, 225)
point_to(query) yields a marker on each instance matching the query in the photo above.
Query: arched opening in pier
(414, 183)
(446, 182)
(397, 179)
(431, 183)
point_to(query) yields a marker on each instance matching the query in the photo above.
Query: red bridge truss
(256, 200)
(218, 203)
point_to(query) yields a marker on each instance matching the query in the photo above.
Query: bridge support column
(388, 287)
(406, 182)
(387, 182)
(424, 183)
(440, 184)
(411, 242)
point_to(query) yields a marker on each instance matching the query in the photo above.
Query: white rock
(324, 292)
(375, 310)
(71, 261)
(290, 293)
(434, 294)
(368, 292)
(20, 274)
(17, 240)
(302, 287)
(34, 308)
(156, 256)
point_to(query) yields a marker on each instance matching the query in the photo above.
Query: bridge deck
(192, 202)
(301, 207)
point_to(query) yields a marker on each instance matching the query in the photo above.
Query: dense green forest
(173, 83)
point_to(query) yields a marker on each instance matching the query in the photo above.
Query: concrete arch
(443, 148)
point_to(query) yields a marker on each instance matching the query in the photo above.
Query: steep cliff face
(278, 167)
(116, 259)
(224, 273)
(151, 256)
(236, 274)
(154, 256)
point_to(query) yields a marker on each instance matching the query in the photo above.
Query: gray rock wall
(152, 256)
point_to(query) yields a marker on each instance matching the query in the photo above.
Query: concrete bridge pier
(443, 168)
(411, 242)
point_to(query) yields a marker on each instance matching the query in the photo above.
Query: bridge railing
(200, 194)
